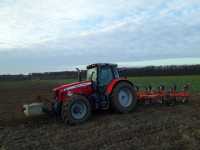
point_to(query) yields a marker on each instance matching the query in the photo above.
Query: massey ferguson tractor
(102, 90)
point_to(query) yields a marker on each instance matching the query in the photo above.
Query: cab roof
(100, 65)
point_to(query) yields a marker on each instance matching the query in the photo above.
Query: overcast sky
(50, 35)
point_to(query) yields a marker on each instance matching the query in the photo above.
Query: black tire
(170, 101)
(68, 113)
(116, 101)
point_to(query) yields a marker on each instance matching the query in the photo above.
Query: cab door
(105, 77)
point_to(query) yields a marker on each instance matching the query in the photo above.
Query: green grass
(169, 81)
(142, 82)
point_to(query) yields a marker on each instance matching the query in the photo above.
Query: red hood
(71, 85)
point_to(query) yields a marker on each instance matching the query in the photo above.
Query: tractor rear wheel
(76, 110)
(123, 98)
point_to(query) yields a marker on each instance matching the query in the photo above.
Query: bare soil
(148, 127)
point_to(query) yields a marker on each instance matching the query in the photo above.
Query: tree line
(134, 71)
(162, 70)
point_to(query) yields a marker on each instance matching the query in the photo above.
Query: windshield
(92, 74)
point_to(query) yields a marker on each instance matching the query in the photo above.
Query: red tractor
(102, 90)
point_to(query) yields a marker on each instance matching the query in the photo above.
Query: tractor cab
(101, 75)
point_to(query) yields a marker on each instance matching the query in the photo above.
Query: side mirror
(79, 74)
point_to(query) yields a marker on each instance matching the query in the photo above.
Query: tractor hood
(72, 86)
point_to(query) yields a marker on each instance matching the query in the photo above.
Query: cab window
(105, 76)
(92, 74)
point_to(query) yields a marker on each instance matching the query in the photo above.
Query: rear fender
(114, 83)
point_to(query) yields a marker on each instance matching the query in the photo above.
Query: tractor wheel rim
(78, 110)
(125, 97)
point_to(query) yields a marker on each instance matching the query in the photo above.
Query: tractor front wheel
(76, 110)
(123, 98)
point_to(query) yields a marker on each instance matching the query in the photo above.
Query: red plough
(163, 96)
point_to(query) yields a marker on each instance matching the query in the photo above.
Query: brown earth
(148, 127)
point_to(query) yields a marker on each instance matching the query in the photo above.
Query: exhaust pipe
(79, 74)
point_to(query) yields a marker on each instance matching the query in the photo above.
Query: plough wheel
(185, 100)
